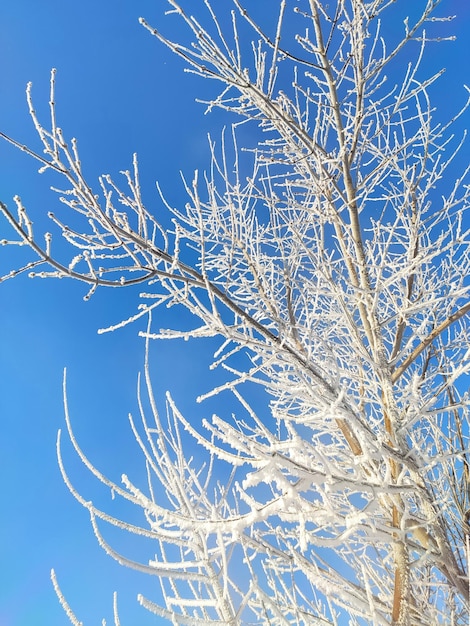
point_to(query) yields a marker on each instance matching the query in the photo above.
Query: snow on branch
(329, 254)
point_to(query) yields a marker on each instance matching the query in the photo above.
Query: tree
(330, 255)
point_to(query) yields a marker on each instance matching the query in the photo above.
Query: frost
(328, 256)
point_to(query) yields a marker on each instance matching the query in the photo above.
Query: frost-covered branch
(329, 254)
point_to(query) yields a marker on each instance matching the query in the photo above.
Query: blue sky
(118, 91)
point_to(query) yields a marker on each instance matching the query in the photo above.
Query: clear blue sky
(118, 91)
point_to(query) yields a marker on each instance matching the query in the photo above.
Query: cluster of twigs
(342, 274)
